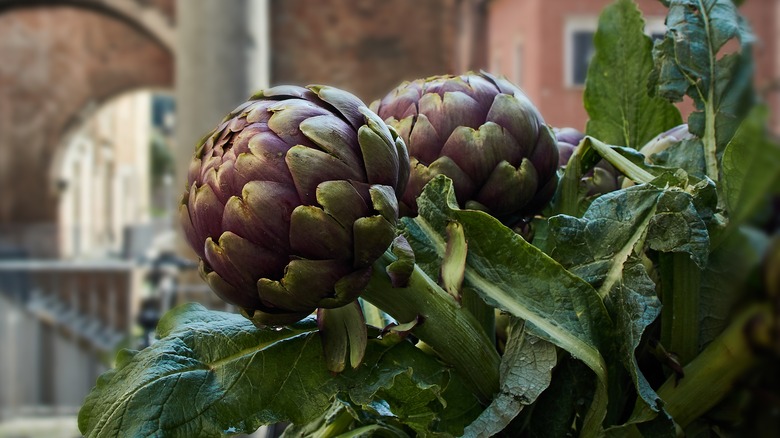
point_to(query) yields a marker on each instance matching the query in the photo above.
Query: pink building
(545, 45)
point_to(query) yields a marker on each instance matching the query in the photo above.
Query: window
(655, 27)
(583, 51)
(579, 48)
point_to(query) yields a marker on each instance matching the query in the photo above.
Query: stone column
(221, 59)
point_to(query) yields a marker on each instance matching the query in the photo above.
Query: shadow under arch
(139, 15)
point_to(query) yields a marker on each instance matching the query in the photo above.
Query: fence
(60, 324)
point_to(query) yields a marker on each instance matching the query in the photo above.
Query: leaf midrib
(590, 355)
(104, 419)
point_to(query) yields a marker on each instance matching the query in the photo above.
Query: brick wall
(365, 46)
(57, 63)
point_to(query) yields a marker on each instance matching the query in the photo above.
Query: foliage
(631, 313)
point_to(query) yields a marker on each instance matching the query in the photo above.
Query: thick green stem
(710, 139)
(621, 163)
(453, 332)
(681, 287)
(714, 372)
(484, 314)
(336, 427)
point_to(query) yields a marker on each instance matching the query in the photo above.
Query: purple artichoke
(603, 178)
(291, 199)
(665, 140)
(480, 131)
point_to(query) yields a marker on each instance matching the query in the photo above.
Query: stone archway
(152, 17)
(60, 60)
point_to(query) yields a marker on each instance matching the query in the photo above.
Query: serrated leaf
(215, 374)
(518, 278)
(692, 60)
(751, 168)
(526, 371)
(687, 155)
(608, 233)
(604, 247)
(621, 110)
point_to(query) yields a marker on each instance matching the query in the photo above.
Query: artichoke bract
(291, 199)
(480, 131)
(603, 178)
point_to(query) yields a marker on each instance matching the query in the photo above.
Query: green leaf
(664, 217)
(215, 374)
(621, 110)
(694, 60)
(687, 155)
(511, 274)
(751, 168)
(605, 248)
(526, 371)
(625, 165)
(560, 409)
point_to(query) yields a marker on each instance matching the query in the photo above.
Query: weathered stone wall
(58, 63)
(365, 46)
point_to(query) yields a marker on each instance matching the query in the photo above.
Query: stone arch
(60, 61)
(153, 17)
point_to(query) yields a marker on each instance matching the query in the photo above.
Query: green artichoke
(291, 199)
(480, 131)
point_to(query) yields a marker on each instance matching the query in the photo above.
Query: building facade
(545, 45)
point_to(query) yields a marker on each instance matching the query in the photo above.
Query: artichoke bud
(480, 131)
(603, 178)
(291, 199)
(400, 271)
(665, 140)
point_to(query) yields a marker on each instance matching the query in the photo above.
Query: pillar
(221, 59)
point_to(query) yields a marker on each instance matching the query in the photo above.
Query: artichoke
(603, 178)
(480, 131)
(664, 141)
(291, 199)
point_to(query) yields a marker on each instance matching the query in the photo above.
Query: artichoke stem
(713, 373)
(452, 331)
(485, 314)
(681, 289)
(626, 167)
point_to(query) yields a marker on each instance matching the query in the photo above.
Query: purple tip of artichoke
(665, 140)
(480, 131)
(567, 141)
(291, 199)
(603, 178)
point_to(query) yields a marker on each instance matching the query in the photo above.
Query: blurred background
(103, 101)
